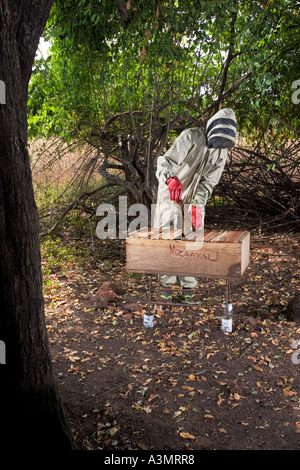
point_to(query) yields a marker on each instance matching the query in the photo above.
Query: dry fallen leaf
(152, 397)
(73, 358)
(236, 396)
(191, 377)
(138, 407)
(187, 435)
(288, 393)
(190, 389)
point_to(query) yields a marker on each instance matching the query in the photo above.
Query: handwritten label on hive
(193, 254)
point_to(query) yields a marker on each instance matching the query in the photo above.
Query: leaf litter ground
(184, 384)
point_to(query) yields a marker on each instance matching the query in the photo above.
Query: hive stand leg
(149, 293)
(227, 295)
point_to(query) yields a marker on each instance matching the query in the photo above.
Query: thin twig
(247, 349)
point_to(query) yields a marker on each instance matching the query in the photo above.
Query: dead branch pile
(263, 189)
(258, 188)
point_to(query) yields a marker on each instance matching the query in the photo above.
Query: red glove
(175, 188)
(197, 217)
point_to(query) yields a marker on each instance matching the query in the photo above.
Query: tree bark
(31, 408)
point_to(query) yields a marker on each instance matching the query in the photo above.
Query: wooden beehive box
(222, 254)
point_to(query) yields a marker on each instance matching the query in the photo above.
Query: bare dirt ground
(184, 384)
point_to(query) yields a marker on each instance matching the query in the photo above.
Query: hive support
(181, 304)
(149, 292)
(218, 255)
(227, 295)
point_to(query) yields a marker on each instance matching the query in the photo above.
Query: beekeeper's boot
(189, 296)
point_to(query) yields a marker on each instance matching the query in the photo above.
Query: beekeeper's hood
(221, 129)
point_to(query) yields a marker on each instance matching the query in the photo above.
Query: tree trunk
(34, 415)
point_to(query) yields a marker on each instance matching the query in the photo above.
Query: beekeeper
(189, 171)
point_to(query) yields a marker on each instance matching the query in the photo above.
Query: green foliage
(110, 57)
(58, 253)
(125, 77)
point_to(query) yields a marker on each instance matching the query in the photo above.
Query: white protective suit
(197, 158)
